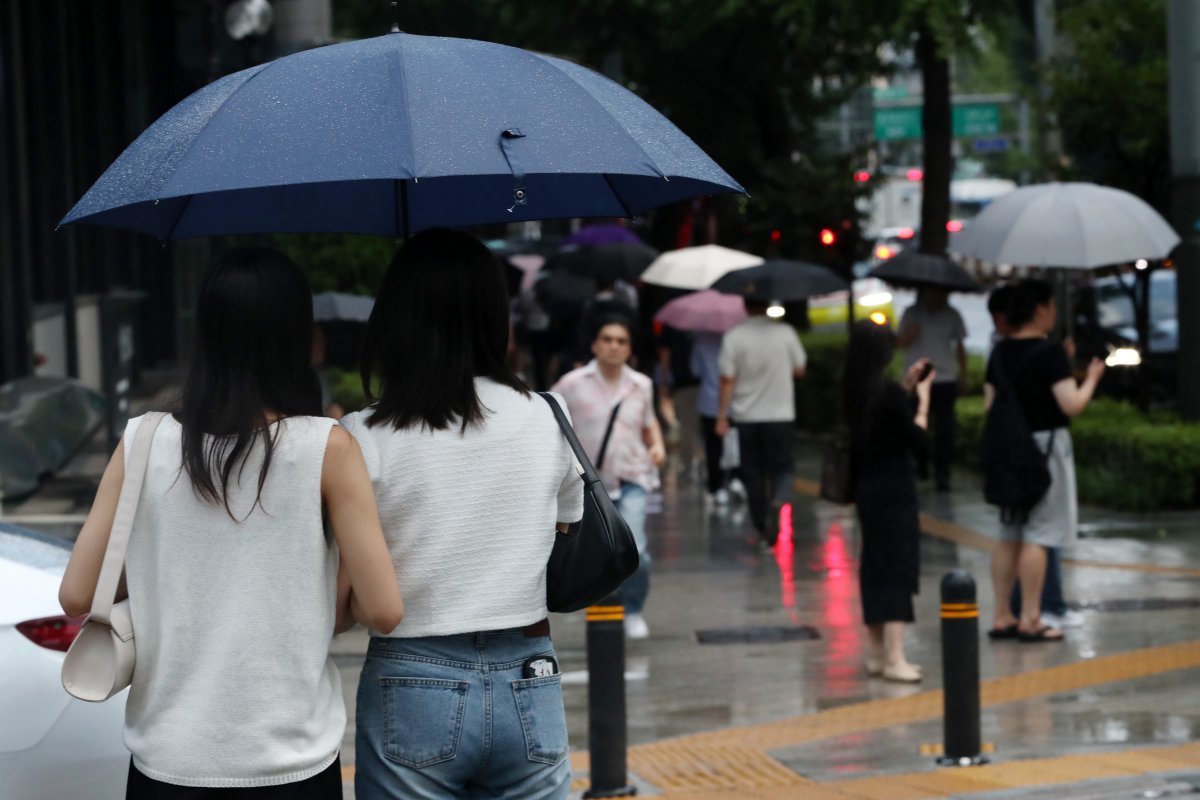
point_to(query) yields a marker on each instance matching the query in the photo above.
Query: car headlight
(1124, 357)
(875, 299)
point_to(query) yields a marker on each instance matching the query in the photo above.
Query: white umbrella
(697, 267)
(1072, 225)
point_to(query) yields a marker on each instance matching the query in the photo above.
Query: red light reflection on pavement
(838, 615)
(785, 550)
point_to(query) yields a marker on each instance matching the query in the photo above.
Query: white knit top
(234, 685)
(469, 517)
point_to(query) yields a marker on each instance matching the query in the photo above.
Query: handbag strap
(612, 420)
(118, 536)
(586, 470)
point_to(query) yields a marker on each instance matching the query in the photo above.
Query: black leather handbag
(597, 554)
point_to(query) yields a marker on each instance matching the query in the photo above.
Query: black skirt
(885, 495)
(325, 785)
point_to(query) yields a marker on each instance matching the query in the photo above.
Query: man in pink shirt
(612, 411)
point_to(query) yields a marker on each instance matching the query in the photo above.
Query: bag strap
(118, 537)
(586, 470)
(612, 419)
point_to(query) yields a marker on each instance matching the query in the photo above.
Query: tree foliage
(1109, 94)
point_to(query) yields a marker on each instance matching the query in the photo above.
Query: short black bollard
(606, 700)
(960, 671)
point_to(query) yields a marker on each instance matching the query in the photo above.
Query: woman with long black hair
(884, 433)
(235, 588)
(472, 474)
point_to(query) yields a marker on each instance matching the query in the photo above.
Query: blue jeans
(631, 505)
(454, 717)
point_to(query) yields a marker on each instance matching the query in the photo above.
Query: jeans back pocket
(422, 719)
(540, 707)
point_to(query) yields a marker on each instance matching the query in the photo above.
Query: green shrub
(1123, 459)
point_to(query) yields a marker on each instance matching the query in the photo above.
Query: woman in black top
(883, 435)
(1043, 380)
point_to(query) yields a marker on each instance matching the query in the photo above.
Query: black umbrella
(920, 270)
(563, 294)
(780, 280)
(607, 262)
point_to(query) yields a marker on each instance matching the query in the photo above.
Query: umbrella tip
(395, 16)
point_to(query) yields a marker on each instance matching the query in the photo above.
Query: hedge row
(1123, 459)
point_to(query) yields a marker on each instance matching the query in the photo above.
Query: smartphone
(925, 370)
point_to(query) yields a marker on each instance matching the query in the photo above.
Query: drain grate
(1144, 604)
(773, 634)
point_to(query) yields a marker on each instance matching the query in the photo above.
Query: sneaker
(737, 489)
(902, 673)
(636, 627)
(1071, 619)
(721, 497)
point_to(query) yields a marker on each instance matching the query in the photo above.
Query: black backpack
(1015, 474)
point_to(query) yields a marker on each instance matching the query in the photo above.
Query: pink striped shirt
(590, 399)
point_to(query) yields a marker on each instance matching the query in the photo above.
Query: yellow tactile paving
(969, 537)
(1011, 775)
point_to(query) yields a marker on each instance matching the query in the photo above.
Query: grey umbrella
(1072, 225)
(918, 270)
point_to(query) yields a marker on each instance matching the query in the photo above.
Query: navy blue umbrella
(394, 134)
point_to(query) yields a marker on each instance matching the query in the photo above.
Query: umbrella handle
(507, 139)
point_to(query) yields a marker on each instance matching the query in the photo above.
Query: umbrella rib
(616, 194)
(179, 216)
(551, 62)
(212, 116)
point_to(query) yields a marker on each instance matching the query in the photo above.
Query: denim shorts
(455, 717)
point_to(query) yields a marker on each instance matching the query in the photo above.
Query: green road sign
(892, 124)
(976, 119)
(968, 120)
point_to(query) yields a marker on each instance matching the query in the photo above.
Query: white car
(52, 746)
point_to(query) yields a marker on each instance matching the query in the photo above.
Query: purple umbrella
(597, 235)
(703, 311)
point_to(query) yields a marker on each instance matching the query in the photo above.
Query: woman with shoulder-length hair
(884, 433)
(233, 584)
(1042, 380)
(472, 474)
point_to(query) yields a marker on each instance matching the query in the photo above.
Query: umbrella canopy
(608, 262)
(707, 311)
(919, 270)
(697, 268)
(597, 235)
(340, 307)
(395, 134)
(1075, 225)
(784, 281)
(563, 294)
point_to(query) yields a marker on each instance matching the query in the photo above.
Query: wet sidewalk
(752, 682)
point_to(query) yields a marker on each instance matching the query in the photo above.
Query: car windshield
(1116, 309)
(34, 549)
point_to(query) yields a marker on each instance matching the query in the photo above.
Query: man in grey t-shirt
(759, 360)
(934, 329)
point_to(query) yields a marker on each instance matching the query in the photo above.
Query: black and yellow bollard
(960, 671)
(606, 700)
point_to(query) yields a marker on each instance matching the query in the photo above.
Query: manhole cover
(761, 635)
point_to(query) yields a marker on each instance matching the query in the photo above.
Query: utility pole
(1183, 49)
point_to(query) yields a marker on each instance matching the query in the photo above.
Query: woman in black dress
(883, 434)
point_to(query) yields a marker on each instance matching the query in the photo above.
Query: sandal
(1009, 632)
(1040, 635)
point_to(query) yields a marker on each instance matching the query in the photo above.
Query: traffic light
(828, 237)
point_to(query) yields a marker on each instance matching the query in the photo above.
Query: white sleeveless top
(234, 685)
(469, 517)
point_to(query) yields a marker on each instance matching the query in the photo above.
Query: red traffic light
(828, 237)
(776, 235)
